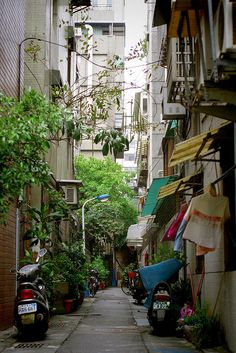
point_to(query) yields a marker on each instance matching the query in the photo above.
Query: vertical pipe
(17, 259)
(113, 263)
(212, 34)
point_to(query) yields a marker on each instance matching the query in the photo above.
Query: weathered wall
(11, 34)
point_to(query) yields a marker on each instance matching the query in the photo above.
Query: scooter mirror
(41, 253)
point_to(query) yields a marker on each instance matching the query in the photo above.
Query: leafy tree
(106, 222)
(26, 129)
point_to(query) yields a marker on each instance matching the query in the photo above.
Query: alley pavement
(110, 322)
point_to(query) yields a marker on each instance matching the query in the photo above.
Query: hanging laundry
(205, 219)
(171, 232)
(178, 246)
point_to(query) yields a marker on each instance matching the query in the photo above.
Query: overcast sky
(135, 18)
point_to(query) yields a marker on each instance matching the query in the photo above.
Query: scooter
(138, 291)
(93, 283)
(159, 313)
(31, 310)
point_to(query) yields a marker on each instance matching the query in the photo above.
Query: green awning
(151, 202)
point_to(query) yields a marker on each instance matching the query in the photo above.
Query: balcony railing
(180, 68)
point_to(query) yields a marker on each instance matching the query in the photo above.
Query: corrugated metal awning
(197, 146)
(151, 201)
(179, 185)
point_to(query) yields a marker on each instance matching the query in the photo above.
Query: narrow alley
(110, 322)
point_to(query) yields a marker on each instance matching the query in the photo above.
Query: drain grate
(28, 345)
(57, 324)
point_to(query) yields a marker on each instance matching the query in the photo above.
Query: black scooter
(31, 310)
(159, 314)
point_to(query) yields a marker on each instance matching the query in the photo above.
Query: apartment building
(37, 52)
(199, 143)
(104, 23)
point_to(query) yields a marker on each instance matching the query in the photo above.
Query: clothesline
(224, 175)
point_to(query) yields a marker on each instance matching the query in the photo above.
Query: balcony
(142, 161)
(172, 111)
(180, 69)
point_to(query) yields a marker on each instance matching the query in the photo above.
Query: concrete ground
(110, 322)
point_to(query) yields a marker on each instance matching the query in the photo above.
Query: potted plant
(66, 276)
(203, 329)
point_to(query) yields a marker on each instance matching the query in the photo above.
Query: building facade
(36, 52)
(104, 29)
(11, 12)
(199, 143)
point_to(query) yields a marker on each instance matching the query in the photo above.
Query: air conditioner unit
(204, 64)
(225, 31)
(71, 195)
(78, 32)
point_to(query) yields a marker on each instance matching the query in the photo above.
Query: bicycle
(127, 284)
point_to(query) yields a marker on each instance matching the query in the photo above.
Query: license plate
(27, 308)
(160, 305)
(27, 319)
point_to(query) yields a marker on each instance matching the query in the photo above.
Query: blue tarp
(152, 275)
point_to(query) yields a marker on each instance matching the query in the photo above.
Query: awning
(162, 12)
(151, 201)
(135, 234)
(180, 185)
(223, 111)
(197, 146)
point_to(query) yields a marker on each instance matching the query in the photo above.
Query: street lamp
(102, 198)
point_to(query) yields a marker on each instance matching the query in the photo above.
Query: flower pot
(68, 305)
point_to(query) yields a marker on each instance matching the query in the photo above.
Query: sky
(135, 17)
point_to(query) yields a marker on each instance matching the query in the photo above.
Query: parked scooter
(159, 314)
(31, 311)
(138, 291)
(93, 283)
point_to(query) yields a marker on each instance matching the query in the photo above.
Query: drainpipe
(17, 259)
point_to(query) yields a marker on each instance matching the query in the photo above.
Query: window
(129, 157)
(119, 29)
(144, 106)
(109, 3)
(118, 120)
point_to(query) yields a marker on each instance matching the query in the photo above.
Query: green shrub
(206, 329)
(99, 265)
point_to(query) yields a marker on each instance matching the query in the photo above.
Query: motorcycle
(155, 279)
(138, 291)
(31, 309)
(93, 283)
(159, 314)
